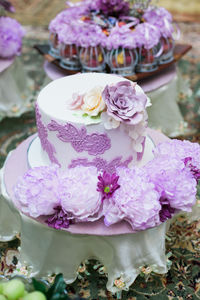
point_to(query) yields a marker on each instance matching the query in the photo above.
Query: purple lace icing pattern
(93, 143)
(101, 164)
(43, 135)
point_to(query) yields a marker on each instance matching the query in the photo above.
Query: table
(163, 90)
(48, 251)
(15, 88)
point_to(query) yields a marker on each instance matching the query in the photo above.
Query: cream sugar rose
(102, 124)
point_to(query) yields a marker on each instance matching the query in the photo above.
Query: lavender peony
(160, 18)
(136, 201)
(82, 200)
(173, 181)
(146, 35)
(90, 35)
(11, 34)
(67, 16)
(39, 191)
(121, 37)
(68, 34)
(124, 102)
(113, 7)
(187, 152)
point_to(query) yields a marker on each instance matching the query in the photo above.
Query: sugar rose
(124, 103)
(93, 103)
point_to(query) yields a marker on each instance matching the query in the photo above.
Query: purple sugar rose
(107, 185)
(173, 181)
(124, 102)
(113, 7)
(11, 34)
(39, 191)
(136, 201)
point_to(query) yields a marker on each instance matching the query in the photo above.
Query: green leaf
(39, 286)
(57, 289)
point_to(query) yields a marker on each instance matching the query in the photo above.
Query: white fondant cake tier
(37, 157)
(70, 137)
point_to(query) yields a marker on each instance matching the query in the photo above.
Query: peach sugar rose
(93, 103)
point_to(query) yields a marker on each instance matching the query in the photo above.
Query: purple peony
(107, 184)
(160, 18)
(173, 181)
(82, 200)
(89, 34)
(113, 7)
(136, 201)
(68, 34)
(166, 211)
(59, 219)
(67, 16)
(11, 34)
(7, 6)
(39, 191)
(121, 36)
(187, 152)
(124, 102)
(146, 35)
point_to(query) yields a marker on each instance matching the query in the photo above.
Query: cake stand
(46, 250)
(15, 99)
(163, 90)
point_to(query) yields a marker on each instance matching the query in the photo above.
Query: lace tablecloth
(15, 88)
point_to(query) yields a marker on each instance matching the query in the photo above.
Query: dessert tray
(179, 51)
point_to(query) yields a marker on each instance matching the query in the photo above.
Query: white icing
(37, 157)
(54, 99)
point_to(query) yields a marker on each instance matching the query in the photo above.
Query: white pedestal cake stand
(47, 250)
(15, 88)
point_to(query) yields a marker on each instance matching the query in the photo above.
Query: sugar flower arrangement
(120, 102)
(11, 33)
(144, 197)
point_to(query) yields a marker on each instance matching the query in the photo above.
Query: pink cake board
(17, 164)
(5, 63)
(148, 85)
